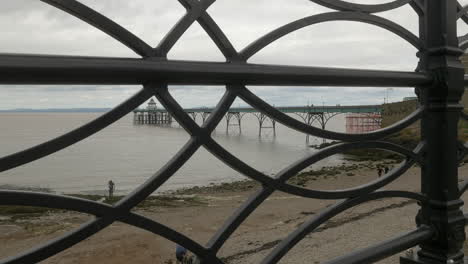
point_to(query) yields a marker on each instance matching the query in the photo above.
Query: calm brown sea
(130, 154)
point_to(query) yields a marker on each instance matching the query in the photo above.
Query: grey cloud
(329, 95)
(30, 26)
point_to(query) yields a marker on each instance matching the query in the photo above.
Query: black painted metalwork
(439, 81)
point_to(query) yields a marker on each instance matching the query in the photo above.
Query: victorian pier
(362, 118)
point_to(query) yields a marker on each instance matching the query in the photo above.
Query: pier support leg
(228, 118)
(322, 124)
(239, 118)
(309, 120)
(260, 124)
(261, 120)
(205, 115)
(273, 123)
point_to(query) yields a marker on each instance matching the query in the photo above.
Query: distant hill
(56, 110)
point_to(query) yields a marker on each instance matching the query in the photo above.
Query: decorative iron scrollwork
(154, 71)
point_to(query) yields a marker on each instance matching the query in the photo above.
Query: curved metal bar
(386, 248)
(235, 163)
(218, 37)
(214, 31)
(274, 35)
(292, 170)
(218, 113)
(463, 42)
(462, 151)
(340, 5)
(257, 198)
(104, 24)
(59, 244)
(288, 121)
(70, 138)
(194, 11)
(171, 105)
(307, 227)
(198, 137)
(172, 235)
(238, 217)
(462, 14)
(464, 115)
(160, 177)
(463, 38)
(462, 187)
(418, 7)
(295, 168)
(462, 11)
(123, 205)
(48, 200)
(309, 120)
(303, 163)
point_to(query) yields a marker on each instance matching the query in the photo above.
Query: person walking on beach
(183, 256)
(386, 169)
(111, 188)
(379, 172)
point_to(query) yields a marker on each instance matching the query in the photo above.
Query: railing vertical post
(439, 179)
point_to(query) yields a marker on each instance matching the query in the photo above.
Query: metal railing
(439, 81)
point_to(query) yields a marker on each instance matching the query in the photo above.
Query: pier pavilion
(151, 115)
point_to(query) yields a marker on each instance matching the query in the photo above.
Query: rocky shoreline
(193, 196)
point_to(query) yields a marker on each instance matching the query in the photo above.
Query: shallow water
(130, 154)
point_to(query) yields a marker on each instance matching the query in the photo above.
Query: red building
(361, 123)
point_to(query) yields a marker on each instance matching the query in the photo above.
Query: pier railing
(439, 81)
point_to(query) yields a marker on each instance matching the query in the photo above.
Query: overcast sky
(30, 26)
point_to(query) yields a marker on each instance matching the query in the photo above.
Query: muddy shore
(198, 212)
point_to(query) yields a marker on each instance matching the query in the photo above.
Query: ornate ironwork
(439, 80)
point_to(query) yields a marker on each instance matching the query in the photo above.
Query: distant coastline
(56, 110)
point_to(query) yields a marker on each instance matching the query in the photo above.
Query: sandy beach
(205, 211)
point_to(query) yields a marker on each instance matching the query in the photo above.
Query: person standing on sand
(379, 172)
(183, 256)
(111, 188)
(386, 169)
(180, 253)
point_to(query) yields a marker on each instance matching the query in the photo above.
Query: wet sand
(279, 215)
